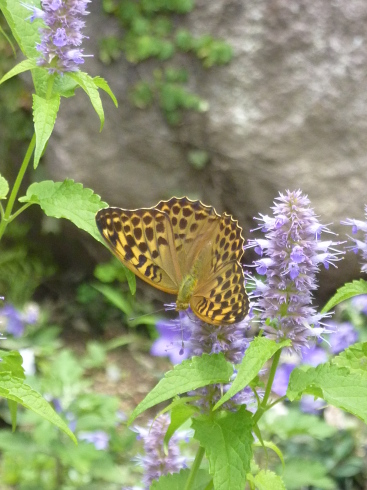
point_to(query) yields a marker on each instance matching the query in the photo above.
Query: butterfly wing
(193, 225)
(220, 296)
(143, 240)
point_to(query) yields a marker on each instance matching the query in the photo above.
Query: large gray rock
(289, 112)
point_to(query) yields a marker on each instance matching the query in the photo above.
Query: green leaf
(4, 187)
(11, 362)
(176, 481)
(227, 440)
(67, 200)
(180, 413)
(267, 479)
(347, 291)
(259, 351)
(15, 389)
(44, 117)
(115, 297)
(21, 67)
(90, 87)
(338, 386)
(354, 358)
(273, 447)
(13, 407)
(103, 85)
(189, 375)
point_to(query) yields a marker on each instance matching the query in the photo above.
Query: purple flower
(290, 261)
(212, 339)
(99, 438)
(13, 320)
(156, 461)
(16, 320)
(169, 343)
(61, 38)
(281, 378)
(358, 245)
(344, 336)
(308, 404)
(314, 355)
(360, 303)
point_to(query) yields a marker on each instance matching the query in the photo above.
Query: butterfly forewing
(142, 239)
(193, 225)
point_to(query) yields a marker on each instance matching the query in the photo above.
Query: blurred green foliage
(51, 460)
(150, 31)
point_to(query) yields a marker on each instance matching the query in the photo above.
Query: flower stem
(9, 207)
(263, 407)
(195, 468)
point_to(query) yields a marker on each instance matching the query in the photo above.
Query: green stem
(263, 407)
(20, 210)
(9, 207)
(6, 216)
(195, 468)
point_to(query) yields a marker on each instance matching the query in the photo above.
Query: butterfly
(185, 248)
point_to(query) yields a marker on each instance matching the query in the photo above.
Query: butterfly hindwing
(222, 299)
(142, 239)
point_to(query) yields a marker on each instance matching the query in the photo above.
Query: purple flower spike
(358, 245)
(290, 263)
(156, 461)
(61, 38)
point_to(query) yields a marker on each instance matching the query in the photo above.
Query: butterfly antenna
(146, 314)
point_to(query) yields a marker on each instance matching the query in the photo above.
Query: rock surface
(288, 112)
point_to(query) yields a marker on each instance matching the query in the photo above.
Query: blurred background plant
(149, 30)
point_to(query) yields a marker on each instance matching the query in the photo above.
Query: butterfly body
(184, 248)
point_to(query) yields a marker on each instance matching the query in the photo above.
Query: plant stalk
(195, 468)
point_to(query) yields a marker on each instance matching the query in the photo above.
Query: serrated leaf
(21, 67)
(337, 386)
(189, 375)
(259, 351)
(103, 85)
(180, 413)
(90, 87)
(44, 117)
(267, 479)
(354, 358)
(349, 290)
(176, 481)
(67, 200)
(15, 389)
(11, 362)
(4, 187)
(227, 440)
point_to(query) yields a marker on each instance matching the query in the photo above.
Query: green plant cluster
(52, 461)
(150, 31)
